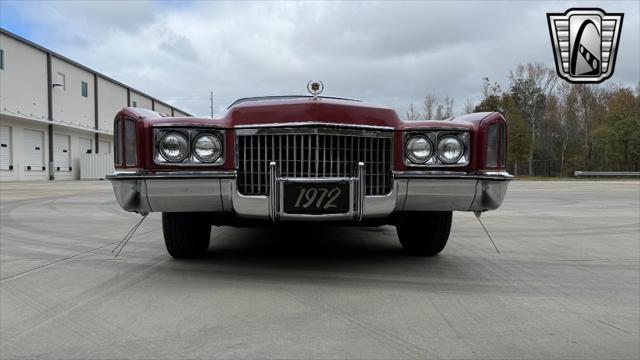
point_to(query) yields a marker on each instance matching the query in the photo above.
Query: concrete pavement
(566, 284)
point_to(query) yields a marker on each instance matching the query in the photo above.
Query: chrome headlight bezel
(435, 135)
(191, 134)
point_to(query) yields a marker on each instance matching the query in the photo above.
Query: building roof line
(83, 67)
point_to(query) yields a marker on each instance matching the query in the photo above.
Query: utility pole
(212, 104)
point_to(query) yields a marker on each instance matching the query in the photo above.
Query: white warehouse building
(53, 109)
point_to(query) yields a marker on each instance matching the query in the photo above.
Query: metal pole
(95, 113)
(212, 104)
(50, 115)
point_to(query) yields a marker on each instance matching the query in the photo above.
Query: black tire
(424, 233)
(186, 235)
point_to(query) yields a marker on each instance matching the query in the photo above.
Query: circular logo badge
(315, 88)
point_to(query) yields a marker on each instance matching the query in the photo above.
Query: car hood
(309, 110)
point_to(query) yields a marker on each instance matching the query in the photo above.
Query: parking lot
(565, 284)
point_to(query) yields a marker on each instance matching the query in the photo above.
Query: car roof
(284, 97)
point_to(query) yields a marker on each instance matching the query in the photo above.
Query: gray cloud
(386, 52)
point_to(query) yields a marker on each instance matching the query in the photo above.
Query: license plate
(316, 198)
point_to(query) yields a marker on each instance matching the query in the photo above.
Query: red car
(292, 159)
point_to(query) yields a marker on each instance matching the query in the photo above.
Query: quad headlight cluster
(188, 146)
(436, 148)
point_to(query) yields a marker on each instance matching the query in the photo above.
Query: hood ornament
(315, 88)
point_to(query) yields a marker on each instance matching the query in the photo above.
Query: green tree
(490, 103)
(531, 84)
(518, 142)
(621, 129)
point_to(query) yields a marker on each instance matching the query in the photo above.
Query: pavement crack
(56, 261)
(615, 327)
(67, 258)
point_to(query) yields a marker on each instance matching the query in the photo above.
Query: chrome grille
(312, 155)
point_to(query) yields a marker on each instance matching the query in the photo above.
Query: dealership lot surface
(566, 283)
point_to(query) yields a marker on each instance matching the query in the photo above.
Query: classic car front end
(280, 160)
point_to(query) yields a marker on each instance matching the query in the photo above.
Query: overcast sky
(391, 53)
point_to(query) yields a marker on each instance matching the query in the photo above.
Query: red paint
(308, 110)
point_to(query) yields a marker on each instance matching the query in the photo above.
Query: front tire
(186, 235)
(424, 233)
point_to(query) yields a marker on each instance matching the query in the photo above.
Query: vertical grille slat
(309, 157)
(259, 166)
(313, 155)
(317, 150)
(338, 156)
(324, 153)
(251, 164)
(344, 156)
(377, 164)
(384, 160)
(331, 156)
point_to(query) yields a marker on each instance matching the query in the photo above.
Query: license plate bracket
(316, 198)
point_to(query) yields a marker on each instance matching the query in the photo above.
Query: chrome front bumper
(216, 191)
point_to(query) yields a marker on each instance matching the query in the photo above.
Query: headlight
(450, 149)
(174, 147)
(207, 148)
(419, 149)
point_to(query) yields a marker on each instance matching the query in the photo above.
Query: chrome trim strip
(412, 174)
(318, 124)
(361, 190)
(285, 97)
(273, 192)
(187, 125)
(438, 128)
(313, 131)
(315, 180)
(140, 175)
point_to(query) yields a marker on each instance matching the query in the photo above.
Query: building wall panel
(111, 99)
(23, 81)
(140, 101)
(163, 109)
(69, 106)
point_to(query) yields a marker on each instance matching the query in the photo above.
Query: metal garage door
(105, 147)
(86, 146)
(5, 148)
(33, 150)
(61, 153)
